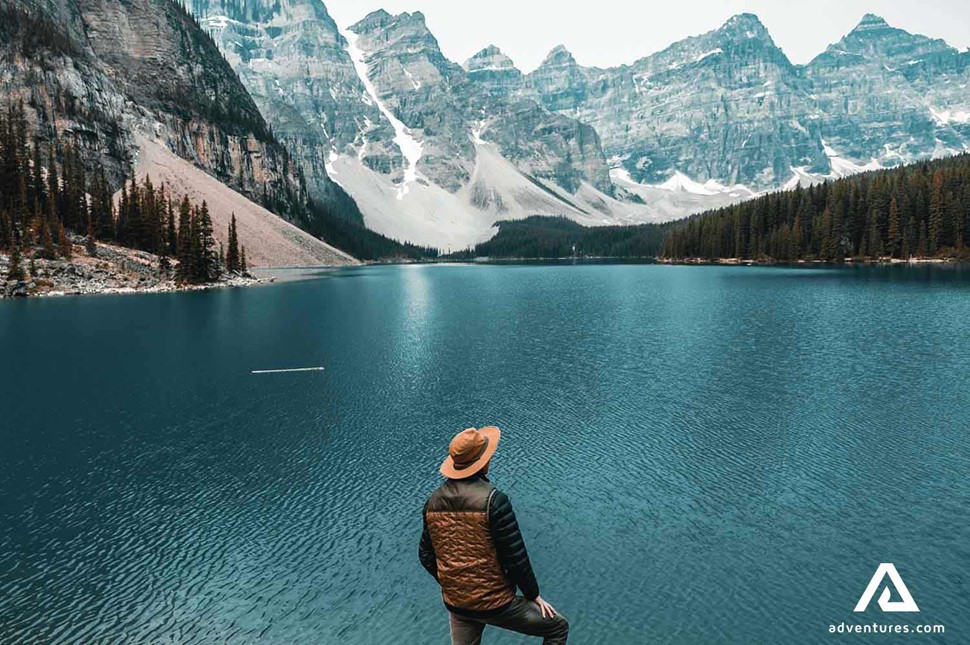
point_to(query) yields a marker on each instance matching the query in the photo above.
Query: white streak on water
(287, 371)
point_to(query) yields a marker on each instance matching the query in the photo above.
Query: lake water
(696, 454)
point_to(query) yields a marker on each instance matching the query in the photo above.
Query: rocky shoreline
(112, 270)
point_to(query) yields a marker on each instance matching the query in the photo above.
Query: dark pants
(522, 616)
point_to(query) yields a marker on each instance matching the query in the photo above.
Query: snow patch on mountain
(713, 52)
(842, 167)
(416, 84)
(663, 204)
(946, 117)
(410, 147)
(802, 178)
(477, 134)
(429, 216)
(332, 157)
(681, 182)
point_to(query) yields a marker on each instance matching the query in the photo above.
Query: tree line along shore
(50, 206)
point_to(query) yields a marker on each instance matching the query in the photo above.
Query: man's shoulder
(454, 494)
(499, 499)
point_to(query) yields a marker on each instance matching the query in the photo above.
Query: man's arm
(510, 546)
(426, 550)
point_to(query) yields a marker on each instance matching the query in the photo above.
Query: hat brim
(448, 466)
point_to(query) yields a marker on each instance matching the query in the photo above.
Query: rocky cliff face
(293, 60)
(450, 108)
(726, 105)
(729, 106)
(423, 89)
(887, 95)
(106, 74)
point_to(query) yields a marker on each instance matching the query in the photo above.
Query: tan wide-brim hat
(470, 451)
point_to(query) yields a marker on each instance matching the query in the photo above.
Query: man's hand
(547, 610)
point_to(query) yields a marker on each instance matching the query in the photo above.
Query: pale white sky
(605, 33)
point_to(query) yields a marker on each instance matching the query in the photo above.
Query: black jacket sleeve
(510, 546)
(426, 550)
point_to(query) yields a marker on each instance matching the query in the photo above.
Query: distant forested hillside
(558, 237)
(920, 210)
(357, 240)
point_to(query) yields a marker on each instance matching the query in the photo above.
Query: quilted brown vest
(469, 571)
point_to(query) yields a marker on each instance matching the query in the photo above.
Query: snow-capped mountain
(887, 96)
(435, 152)
(728, 105)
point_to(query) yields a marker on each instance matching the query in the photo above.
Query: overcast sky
(611, 32)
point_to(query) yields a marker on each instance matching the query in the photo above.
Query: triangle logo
(904, 604)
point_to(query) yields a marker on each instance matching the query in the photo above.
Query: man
(472, 546)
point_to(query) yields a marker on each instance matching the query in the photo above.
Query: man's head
(470, 451)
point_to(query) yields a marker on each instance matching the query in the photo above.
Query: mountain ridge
(708, 120)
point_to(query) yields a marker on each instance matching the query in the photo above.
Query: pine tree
(185, 247)
(37, 188)
(233, 264)
(89, 244)
(828, 248)
(64, 245)
(47, 251)
(935, 225)
(243, 266)
(894, 236)
(205, 248)
(6, 229)
(15, 271)
(122, 228)
(171, 232)
(910, 239)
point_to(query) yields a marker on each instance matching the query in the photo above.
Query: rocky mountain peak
(559, 56)
(495, 72)
(744, 26)
(491, 58)
(874, 39)
(871, 22)
(381, 19)
(410, 30)
(374, 20)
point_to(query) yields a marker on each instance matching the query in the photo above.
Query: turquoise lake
(695, 454)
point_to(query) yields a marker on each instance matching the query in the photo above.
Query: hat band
(465, 464)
